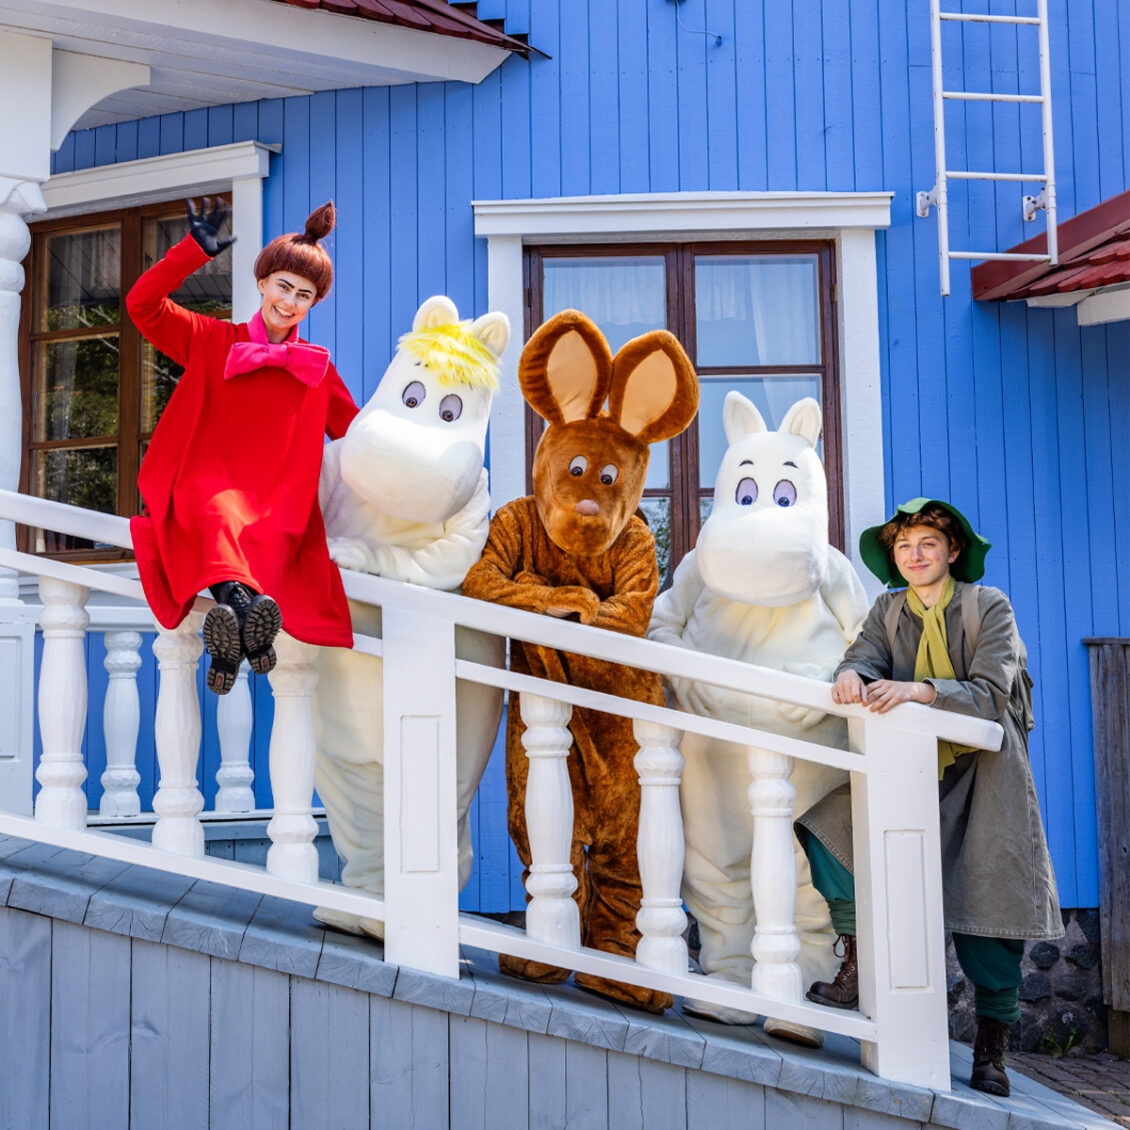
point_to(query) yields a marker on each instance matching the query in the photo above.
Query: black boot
(988, 1057)
(260, 621)
(222, 639)
(843, 990)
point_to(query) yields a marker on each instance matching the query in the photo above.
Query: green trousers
(991, 964)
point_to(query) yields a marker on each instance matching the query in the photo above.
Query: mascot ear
(654, 393)
(565, 369)
(803, 419)
(740, 417)
(436, 311)
(493, 330)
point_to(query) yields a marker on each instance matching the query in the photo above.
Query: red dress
(230, 480)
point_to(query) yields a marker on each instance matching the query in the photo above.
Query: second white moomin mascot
(762, 585)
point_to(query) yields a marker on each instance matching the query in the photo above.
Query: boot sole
(221, 638)
(846, 1006)
(262, 624)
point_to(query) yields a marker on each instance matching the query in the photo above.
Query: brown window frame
(685, 490)
(129, 439)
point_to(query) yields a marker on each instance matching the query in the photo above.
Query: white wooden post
(898, 892)
(661, 919)
(551, 915)
(233, 721)
(775, 946)
(421, 813)
(121, 720)
(177, 734)
(292, 854)
(62, 704)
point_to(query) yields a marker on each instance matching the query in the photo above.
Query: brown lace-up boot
(988, 1057)
(843, 991)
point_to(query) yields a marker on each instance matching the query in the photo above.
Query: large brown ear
(654, 393)
(565, 368)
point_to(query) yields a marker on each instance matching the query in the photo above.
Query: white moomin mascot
(404, 495)
(762, 585)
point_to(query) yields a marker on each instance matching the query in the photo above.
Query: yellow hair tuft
(454, 354)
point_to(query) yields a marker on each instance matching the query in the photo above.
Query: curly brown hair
(939, 517)
(302, 254)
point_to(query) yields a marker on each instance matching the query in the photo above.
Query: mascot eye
(784, 493)
(609, 474)
(450, 408)
(414, 394)
(578, 465)
(746, 493)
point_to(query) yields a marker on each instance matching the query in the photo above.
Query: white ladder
(937, 195)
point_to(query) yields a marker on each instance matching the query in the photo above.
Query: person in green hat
(948, 643)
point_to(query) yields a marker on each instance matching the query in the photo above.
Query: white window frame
(239, 168)
(848, 219)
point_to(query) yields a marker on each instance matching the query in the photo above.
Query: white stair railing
(901, 1022)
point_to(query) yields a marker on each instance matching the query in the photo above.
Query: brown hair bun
(320, 222)
(302, 254)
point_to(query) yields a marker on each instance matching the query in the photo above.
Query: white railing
(902, 1018)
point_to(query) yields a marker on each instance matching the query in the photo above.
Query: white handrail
(892, 760)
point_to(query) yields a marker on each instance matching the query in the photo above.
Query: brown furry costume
(576, 548)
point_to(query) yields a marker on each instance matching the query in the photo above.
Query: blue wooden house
(743, 173)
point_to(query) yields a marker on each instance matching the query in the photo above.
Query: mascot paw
(531, 970)
(349, 923)
(650, 1000)
(803, 716)
(350, 553)
(527, 578)
(795, 1033)
(568, 600)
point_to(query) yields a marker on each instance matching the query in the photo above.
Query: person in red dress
(229, 483)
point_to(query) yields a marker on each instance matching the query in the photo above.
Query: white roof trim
(666, 214)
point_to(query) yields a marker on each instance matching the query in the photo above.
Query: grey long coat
(997, 877)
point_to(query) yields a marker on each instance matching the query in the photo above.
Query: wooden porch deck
(135, 998)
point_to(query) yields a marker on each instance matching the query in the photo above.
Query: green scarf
(933, 659)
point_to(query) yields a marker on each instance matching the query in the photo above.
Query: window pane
(658, 511)
(208, 289)
(83, 279)
(757, 310)
(624, 295)
(77, 392)
(159, 377)
(86, 477)
(773, 396)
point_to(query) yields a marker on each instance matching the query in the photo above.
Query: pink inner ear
(649, 391)
(571, 374)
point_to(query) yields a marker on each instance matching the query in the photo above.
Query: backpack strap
(971, 617)
(891, 617)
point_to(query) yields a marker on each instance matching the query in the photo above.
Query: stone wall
(1061, 994)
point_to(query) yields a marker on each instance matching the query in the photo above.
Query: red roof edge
(997, 279)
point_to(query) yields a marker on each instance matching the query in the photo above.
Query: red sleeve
(161, 321)
(342, 408)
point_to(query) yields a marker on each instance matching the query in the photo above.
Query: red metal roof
(435, 16)
(1094, 251)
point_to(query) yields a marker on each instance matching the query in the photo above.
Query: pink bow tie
(308, 363)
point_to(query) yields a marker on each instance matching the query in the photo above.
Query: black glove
(205, 226)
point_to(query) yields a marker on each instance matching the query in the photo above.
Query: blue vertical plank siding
(1018, 414)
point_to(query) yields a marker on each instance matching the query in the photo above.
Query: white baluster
(292, 829)
(177, 731)
(552, 914)
(233, 721)
(121, 719)
(661, 919)
(62, 704)
(776, 946)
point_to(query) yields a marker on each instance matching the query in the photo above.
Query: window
(756, 317)
(93, 388)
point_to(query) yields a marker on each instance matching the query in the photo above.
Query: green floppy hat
(970, 565)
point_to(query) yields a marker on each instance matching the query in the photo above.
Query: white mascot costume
(404, 495)
(762, 585)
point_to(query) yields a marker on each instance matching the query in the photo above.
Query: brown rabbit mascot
(577, 548)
